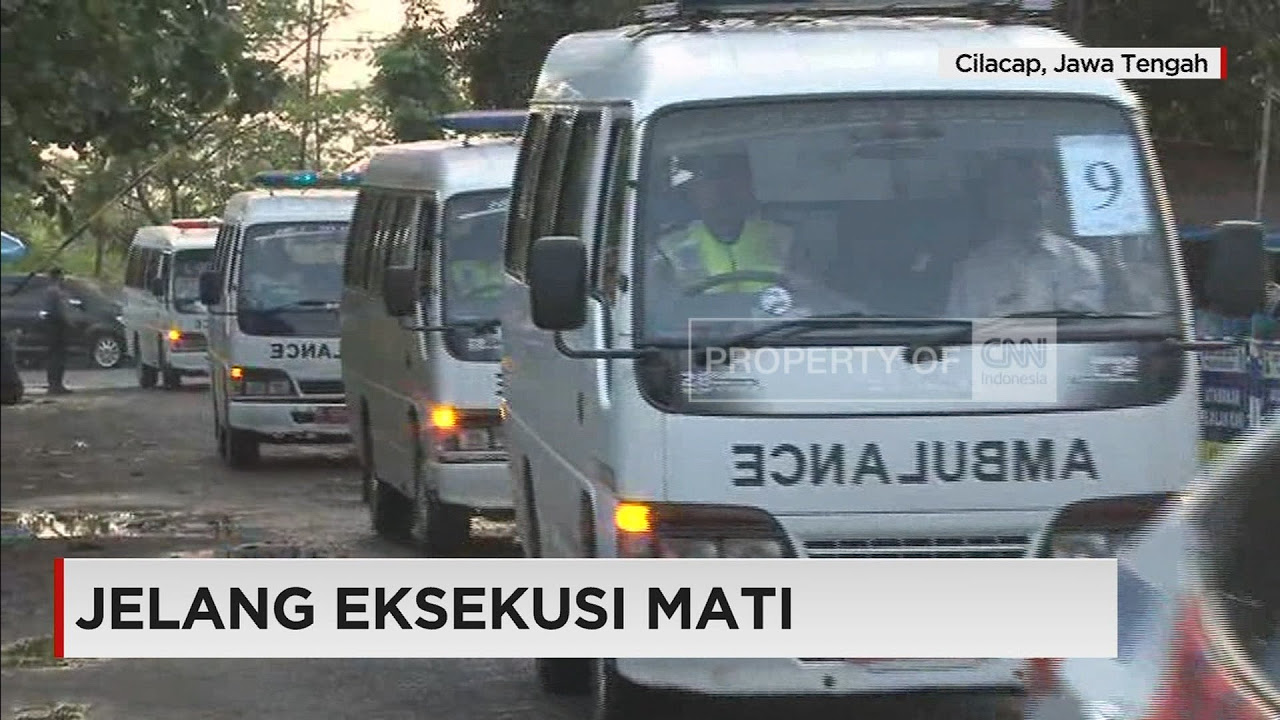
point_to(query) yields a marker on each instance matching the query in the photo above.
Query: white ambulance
(777, 286)
(420, 327)
(163, 318)
(273, 297)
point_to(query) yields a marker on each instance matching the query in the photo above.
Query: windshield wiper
(842, 320)
(310, 305)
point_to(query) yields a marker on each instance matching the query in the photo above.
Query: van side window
(357, 236)
(382, 241)
(132, 267)
(532, 144)
(400, 252)
(544, 208)
(425, 240)
(374, 246)
(577, 173)
(613, 202)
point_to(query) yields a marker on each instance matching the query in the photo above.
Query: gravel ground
(114, 471)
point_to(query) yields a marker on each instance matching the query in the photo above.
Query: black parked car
(97, 334)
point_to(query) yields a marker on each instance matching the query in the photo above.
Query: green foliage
(271, 129)
(415, 80)
(501, 44)
(1222, 113)
(117, 75)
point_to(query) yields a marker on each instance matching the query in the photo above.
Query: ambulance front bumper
(291, 422)
(482, 485)
(189, 363)
(779, 677)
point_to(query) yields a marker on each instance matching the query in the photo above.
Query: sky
(375, 18)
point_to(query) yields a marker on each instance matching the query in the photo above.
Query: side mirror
(210, 288)
(558, 283)
(399, 291)
(1236, 277)
(156, 286)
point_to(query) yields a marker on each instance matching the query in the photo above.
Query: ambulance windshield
(910, 209)
(291, 278)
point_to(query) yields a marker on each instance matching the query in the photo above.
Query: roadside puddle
(55, 711)
(16, 526)
(33, 653)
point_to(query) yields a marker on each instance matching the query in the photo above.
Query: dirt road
(112, 472)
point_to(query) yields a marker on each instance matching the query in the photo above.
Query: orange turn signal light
(632, 518)
(236, 373)
(175, 335)
(444, 417)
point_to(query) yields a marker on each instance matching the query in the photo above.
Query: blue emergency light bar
(305, 179)
(472, 122)
(696, 8)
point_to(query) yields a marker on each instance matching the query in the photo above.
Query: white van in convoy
(810, 297)
(163, 318)
(423, 280)
(273, 297)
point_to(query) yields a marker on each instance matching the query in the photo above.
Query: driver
(727, 235)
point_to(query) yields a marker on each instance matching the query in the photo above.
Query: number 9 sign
(1104, 184)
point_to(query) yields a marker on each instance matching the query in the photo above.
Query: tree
(500, 44)
(117, 75)
(415, 80)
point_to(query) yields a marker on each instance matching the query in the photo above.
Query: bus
(420, 327)
(273, 296)
(784, 289)
(164, 320)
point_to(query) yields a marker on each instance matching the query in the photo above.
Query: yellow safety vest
(470, 275)
(697, 254)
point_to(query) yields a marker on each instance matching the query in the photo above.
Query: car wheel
(106, 352)
(438, 529)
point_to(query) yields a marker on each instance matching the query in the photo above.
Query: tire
(613, 697)
(147, 375)
(563, 676)
(367, 483)
(219, 442)
(242, 448)
(390, 512)
(438, 529)
(533, 544)
(172, 379)
(106, 351)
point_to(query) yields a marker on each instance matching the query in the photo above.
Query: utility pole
(1270, 91)
(319, 75)
(306, 80)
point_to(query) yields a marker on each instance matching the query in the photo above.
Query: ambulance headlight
(1102, 527)
(650, 530)
(260, 382)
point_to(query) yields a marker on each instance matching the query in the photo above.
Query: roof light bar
(686, 8)
(197, 223)
(306, 179)
(470, 122)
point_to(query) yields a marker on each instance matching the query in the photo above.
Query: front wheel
(243, 450)
(439, 529)
(106, 352)
(613, 697)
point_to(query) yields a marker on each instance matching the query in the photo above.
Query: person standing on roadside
(57, 318)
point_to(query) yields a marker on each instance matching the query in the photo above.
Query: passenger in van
(728, 234)
(1023, 266)
(475, 265)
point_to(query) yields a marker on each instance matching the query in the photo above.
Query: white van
(693, 211)
(163, 318)
(420, 326)
(273, 297)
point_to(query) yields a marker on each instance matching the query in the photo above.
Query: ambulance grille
(320, 387)
(982, 546)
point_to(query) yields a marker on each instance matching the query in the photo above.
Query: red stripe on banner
(1222, 72)
(59, 607)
